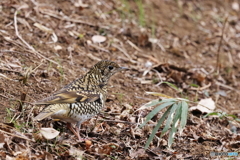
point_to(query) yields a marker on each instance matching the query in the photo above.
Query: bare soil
(192, 44)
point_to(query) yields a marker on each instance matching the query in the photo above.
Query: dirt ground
(192, 44)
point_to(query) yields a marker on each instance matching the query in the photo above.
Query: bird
(81, 99)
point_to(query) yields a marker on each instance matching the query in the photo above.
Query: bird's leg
(75, 132)
(78, 126)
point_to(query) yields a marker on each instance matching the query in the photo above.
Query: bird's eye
(110, 67)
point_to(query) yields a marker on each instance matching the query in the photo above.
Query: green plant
(11, 118)
(9, 115)
(141, 17)
(176, 117)
(222, 115)
(81, 36)
(19, 126)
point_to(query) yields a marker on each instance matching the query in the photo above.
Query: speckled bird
(81, 99)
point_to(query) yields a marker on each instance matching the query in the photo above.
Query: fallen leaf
(235, 6)
(43, 28)
(49, 133)
(205, 106)
(58, 47)
(98, 39)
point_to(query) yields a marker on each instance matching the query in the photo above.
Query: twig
(134, 46)
(29, 115)
(17, 43)
(150, 58)
(160, 77)
(35, 52)
(97, 47)
(10, 51)
(116, 121)
(13, 117)
(16, 99)
(93, 57)
(228, 87)
(14, 135)
(2, 75)
(68, 19)
(16, 28)
(9, 70)
(31, 51)
(220, 44)
(4, 96)
(124, 52)
(161, 47)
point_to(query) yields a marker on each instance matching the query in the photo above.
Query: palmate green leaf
(155, 102)
(184, 115)
(173, 131)
(169, 119)
(172, 135)
(156, 110)
(156, 128)
(169, 100)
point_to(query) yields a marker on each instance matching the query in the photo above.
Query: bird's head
(106, 69)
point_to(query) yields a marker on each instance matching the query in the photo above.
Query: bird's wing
(70, 97)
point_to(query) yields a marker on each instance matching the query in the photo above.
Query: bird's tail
(59, 110)
(42, 115)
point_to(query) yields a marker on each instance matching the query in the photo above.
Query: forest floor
(192, 44)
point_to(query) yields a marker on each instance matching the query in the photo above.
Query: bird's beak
(123, 68)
